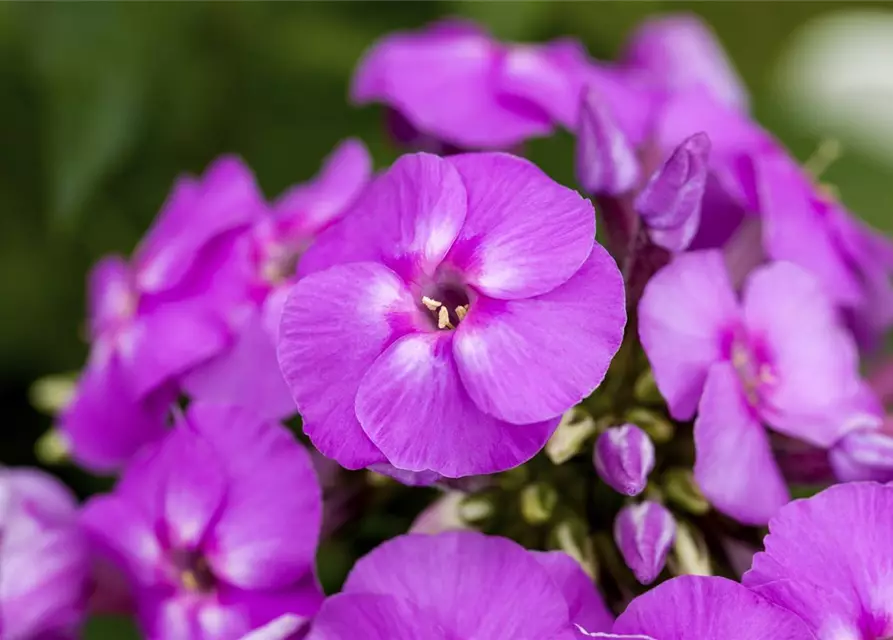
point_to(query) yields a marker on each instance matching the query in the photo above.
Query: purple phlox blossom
(467, 309)
(805, 225)
(778, 356)
(680, 51)
(706, 608)
(623, 457)
(828, 560)
(152, 319)
(460, 585)
(214, 526)
(262, 266)
(644, 534)
(454, 87)
(44, 562)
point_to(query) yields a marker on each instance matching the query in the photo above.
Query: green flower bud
(680, 488)
(538, 502)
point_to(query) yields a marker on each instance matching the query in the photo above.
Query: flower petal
(246, 375)
(110, 295)
(682, 313)
(335, 323)
(472, 585)
(606, 161)
(442, 82)
(529, 360)
(815, 360)
(585, 605)
(708, 608)
(264, 538)
(373, 617)
(524, 234)
(413, 406)
(827, 559)
(345, 173)
(734, 467)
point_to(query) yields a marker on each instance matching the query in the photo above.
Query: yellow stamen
(189, 580)
(461, 312)
(431, 303)
(443, 319)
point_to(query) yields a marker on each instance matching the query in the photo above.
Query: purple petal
(344, 175)
(293, 607)
(264, 538)
(196, 212)
(606, 162)
(282, 628)
(585, 605)
(708, 608)
(734, 466)
(500, 344)
(327, 343)
(864, 454)
(644, 534)
(826, 560)
(680, 51)
(247, 375)
(670, 204)
(814, 360)
(111, 299)
(414, 407)
(795, 229)
(442, 82)
(624, 456)
(524, 234)
(166, 343)
(105, 424)
(472, 585)
(373, 617)
(683, 311)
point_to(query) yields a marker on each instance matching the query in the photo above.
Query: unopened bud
(538, 502)
(52, 448)
(606, 161)
(623, 458)
(51, 394)
(670, 204)
(864, 454)
(644, 534)
(690, 553)
(476, 509)
(575, 428)
(442, 515)
(680, 488)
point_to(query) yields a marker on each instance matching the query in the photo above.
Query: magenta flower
(460, 585)
(44, 564)
(778, 357)
(827, 560)
(153, 319)
(706, 608)
(474, 310)
(452, 83)
(201, 526)
(260, 269)
(678, 52)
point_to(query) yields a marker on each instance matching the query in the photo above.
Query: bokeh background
(103, 104)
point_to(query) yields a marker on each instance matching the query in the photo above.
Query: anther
(443, 319)
(461, 312)
(431, 303)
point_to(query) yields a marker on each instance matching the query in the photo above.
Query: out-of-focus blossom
(677, 52)
(644, 534)
(44, 564)
(827, 560)
(262, 265)
(473, 310)
(460, 585)
(706, 608)
(779, 357)
(282, 628)
(214, 526)
(154, 318)
(453, 86)
(623, 457)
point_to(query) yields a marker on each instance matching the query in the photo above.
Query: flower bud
(575, 428)
(441, 515)
(690, 554)
(644, 534)
(680, 487)
(538, 502)
(863, 454)
(670, 204)
(623, 457)
(606, 162)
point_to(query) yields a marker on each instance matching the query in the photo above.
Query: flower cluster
(598, 419)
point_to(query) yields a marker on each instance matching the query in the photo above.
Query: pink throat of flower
(753, 369)
(193, 572)
(446, 305)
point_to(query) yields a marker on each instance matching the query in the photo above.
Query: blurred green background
(103, 104)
